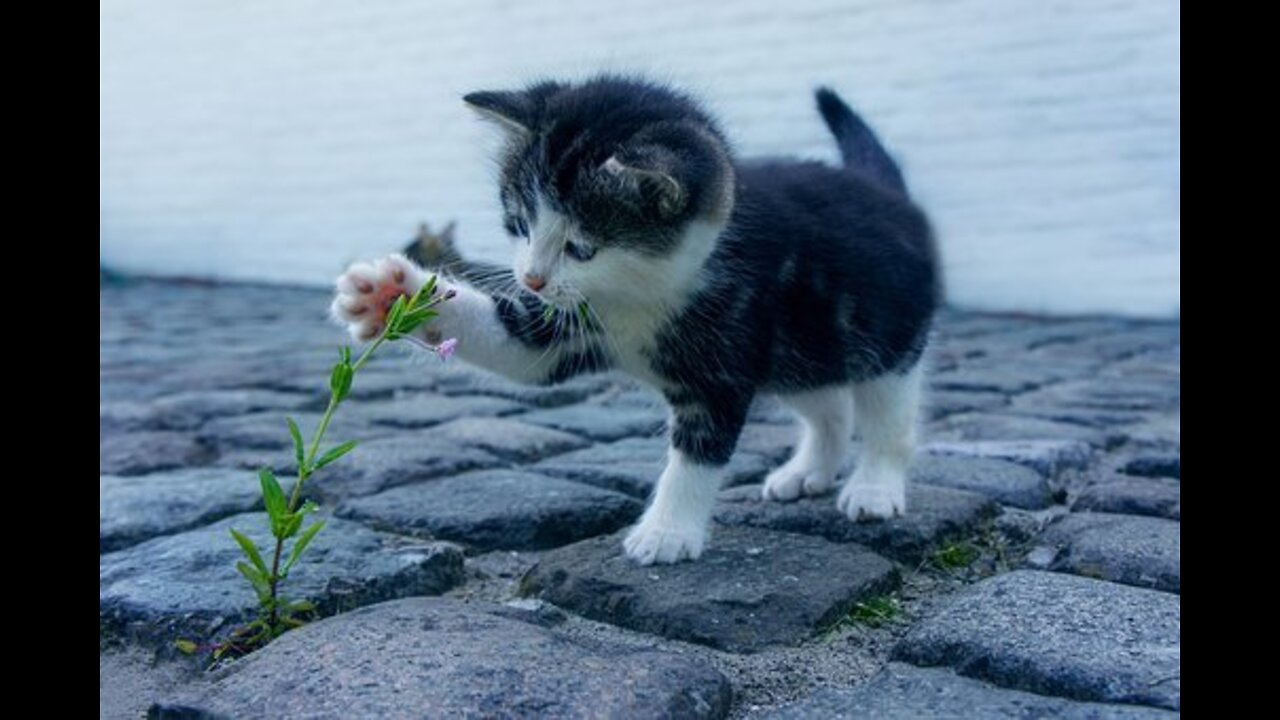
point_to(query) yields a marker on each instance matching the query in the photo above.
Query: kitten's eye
(518, 227)
(581, 253)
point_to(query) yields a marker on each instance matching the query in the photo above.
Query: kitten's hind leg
(888, 410)
(826, 417)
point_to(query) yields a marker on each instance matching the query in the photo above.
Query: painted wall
(279, 139)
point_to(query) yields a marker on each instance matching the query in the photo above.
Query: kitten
(642, 244)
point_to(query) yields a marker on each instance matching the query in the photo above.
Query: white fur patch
(675, 527)
(888, 410)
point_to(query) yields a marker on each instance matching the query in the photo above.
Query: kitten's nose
(535, 282)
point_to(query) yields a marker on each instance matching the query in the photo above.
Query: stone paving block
(1155, 497)
(750, 589)
(1047, 457)
(268, 431)
(1129, 549)
(1005, 379)
(1000, 480)
(904, 691)
(497, 509)
(1167, 465)
(187, 586)
(632, 466)
(934, 515)
(462, 380)
(1006, 427)
(144, 452)
(508, 439)
(941, 403)
(441, 657)
(377, 465)
(1059, 635)
(424, 410)
(139, 507)
(601, 423)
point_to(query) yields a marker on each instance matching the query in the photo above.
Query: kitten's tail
(859, 147)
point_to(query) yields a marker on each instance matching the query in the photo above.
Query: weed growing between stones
(277, 613)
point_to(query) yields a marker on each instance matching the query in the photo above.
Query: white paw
(650, 543)
(366, 292)
(872, 500)
(798, 476)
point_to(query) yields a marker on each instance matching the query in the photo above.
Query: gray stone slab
(934, 515)
(1117, 393)
(377, 465)
(601, 423)
(497, 509)
(750, 589)
(1155, 497)
(1047, 457)
(1167, 465)
(904, 691)
(1057, 634)
(1000, 480)
(144, 452)
(463, 380)
(188, 410)
(440, 657)
(268, 431)
(1006, 379)
(1005, 427)
(187, 586)
(425, 410)
(1129, 549)
(508, 439)
(139, 507)
(941, 403)
(632, 466)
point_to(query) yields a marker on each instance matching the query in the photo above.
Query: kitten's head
(614, 188)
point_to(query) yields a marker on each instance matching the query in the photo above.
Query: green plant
(954, 555)
(276, 613)
(875, 611)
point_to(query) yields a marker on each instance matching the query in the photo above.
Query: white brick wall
(279, 139)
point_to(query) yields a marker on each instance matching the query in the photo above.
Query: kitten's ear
(649, 178)
(446, 235)
(510, 110)
(424, 230)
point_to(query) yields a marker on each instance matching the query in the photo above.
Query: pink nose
(535, 282)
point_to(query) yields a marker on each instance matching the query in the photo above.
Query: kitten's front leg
(506, 336)
(676, 524)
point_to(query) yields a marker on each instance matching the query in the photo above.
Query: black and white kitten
(711, 279)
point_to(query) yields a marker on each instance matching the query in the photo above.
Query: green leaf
(251, 551)
(340, 379)
(397, 309)
(273, 496)
(427, 290)
(186, 647)
(344, 354)
(334, 453)
(290, 524)
(301, 544)
(298, 449)
(256, 579)
(307, 508)
(414, 319)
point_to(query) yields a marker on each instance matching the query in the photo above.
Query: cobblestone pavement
(472, 562)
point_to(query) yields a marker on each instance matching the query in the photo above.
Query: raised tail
(859, 147)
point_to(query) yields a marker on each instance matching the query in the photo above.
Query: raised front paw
(366, 292)
(649, 543)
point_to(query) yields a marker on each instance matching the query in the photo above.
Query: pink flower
(446, 349)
